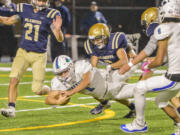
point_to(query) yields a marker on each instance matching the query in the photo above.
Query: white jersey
(171, 31)
(101, 86)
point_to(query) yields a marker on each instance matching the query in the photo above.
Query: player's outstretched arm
(9, 20)
(141, 56)
(94, 61)
(56, 28)
(123, 59)
(83, 84)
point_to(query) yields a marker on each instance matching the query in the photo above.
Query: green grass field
(33, 117)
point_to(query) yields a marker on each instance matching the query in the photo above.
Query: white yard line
(50, 70)
(68, 106)
(29, 69)
(22, 83)
(85, 97)
(34, 96)
(52, 107)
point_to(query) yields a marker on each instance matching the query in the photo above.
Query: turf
(158, 122)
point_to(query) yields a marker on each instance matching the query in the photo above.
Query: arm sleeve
(55, 13)
(162, 31)
(122, 41)
(151, 46)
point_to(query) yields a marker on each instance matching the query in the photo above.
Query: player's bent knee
(37, 87)
(140, 88)
(44, 91)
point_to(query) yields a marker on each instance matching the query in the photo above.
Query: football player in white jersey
(168, 38)
(82, 77)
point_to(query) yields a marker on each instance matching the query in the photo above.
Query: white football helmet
(61, 64)
(40, 7)
(169, 9)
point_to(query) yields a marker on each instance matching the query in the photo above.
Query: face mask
(100, 46)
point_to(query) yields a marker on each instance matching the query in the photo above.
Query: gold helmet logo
(149, 16)
(99, 30)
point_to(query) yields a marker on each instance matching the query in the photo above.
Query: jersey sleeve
(20, 9)
(88, 48)
(57, 85)
(53, 13)
(151, 46)
(162, 31)
(119, 41)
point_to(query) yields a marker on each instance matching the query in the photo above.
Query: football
(63, 100)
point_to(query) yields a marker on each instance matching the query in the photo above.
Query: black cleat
(100, 108)
(131, 114)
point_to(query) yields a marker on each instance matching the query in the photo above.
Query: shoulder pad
(82, 66)
(117, 38)
(20, 7)
(162, 31)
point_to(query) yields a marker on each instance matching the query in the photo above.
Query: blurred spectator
(58, 48)
(92, 17)
(8, 43)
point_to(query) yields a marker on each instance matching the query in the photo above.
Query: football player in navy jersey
(37, 21)
(109, 48)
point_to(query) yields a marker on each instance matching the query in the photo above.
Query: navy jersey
(108, 53)
(35, 27)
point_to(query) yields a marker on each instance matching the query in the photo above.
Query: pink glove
(144, 67)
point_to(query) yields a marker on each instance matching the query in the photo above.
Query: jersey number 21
(30, 27)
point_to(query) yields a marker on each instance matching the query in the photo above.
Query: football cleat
(134, 127)
(131, 114)
(177, 129)
(8, 112)
(100, 108)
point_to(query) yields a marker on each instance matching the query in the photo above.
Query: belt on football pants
(173, 77)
